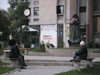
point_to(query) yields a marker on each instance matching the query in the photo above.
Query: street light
(0, 33)
(26, 12)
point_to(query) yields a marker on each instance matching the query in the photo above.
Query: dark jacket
(14, 52)
(12, 42)
(82, 53)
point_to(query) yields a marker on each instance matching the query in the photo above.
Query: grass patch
(62, 48)
(1, 51)
(74, 48)
(1, 63)
(85, 71)
(4, 69)
(94, 48)
(35, 50)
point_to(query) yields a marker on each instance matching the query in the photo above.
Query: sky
(4, 4)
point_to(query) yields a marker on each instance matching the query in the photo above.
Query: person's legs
(21, 60)
(76, 57)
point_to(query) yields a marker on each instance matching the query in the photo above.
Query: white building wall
(48, 34)
(47, 11)
(48, 19)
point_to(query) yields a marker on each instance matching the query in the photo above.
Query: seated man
(82, 52)
(11, 42)
(15, 53)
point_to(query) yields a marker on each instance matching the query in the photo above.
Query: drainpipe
(87, 22)
(64, 26)
(78, 7)
(56, 23)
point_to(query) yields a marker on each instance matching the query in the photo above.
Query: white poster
(49, 34)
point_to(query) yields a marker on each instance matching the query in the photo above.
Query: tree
(16, 15)
(4, 23)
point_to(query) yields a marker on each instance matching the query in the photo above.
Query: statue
(75, 27)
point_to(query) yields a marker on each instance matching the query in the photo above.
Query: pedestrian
(15, 53)
(82, 52)
(12, 42)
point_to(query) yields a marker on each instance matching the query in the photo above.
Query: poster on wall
(47, 37)
(49, 34)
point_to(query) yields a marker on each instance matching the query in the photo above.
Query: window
(60, 9)
(96, 5)
(22, 0)
(36, 20)
(83, 9)
(96, 24)
(36, 2)
(36, 11)
(96, 16)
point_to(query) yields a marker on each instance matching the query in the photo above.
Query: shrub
(61, 45)
(27, 44)
(42, 47)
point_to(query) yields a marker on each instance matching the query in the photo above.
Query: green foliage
(61, 45)
(4, 23)
(1, 51)
(94, 45)
(42, 47)
(27, 44)
(17, 17)
(34, 50)
(4, 69)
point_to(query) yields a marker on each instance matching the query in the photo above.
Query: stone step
(48, 61)
(39, 54)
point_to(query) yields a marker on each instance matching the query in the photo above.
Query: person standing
(15, 53)
(82, 52)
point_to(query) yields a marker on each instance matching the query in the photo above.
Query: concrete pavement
(42, 70)
(57, 58)
(46, 70)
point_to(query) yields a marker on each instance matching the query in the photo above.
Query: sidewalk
(42, 70)
(97, 59)
(46, 70)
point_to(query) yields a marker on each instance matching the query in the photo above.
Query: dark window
(96, 24)
(96, 5)
(36, 11)
(60, 9)
(60, 34)
(83, 9)
(36, 20)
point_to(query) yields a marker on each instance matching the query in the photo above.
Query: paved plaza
(41, 70)
(45, 70)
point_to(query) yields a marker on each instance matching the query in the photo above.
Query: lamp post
(0, 33)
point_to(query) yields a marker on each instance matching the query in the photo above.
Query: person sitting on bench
(15, 53)
(81, 53)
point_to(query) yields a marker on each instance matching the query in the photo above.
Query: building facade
(53, 18)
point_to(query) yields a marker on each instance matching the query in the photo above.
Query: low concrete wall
(68, 53)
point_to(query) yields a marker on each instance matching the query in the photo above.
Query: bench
(15, 63)
(7, 51)
(89, 62)
(25, 49)
(76, 63)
